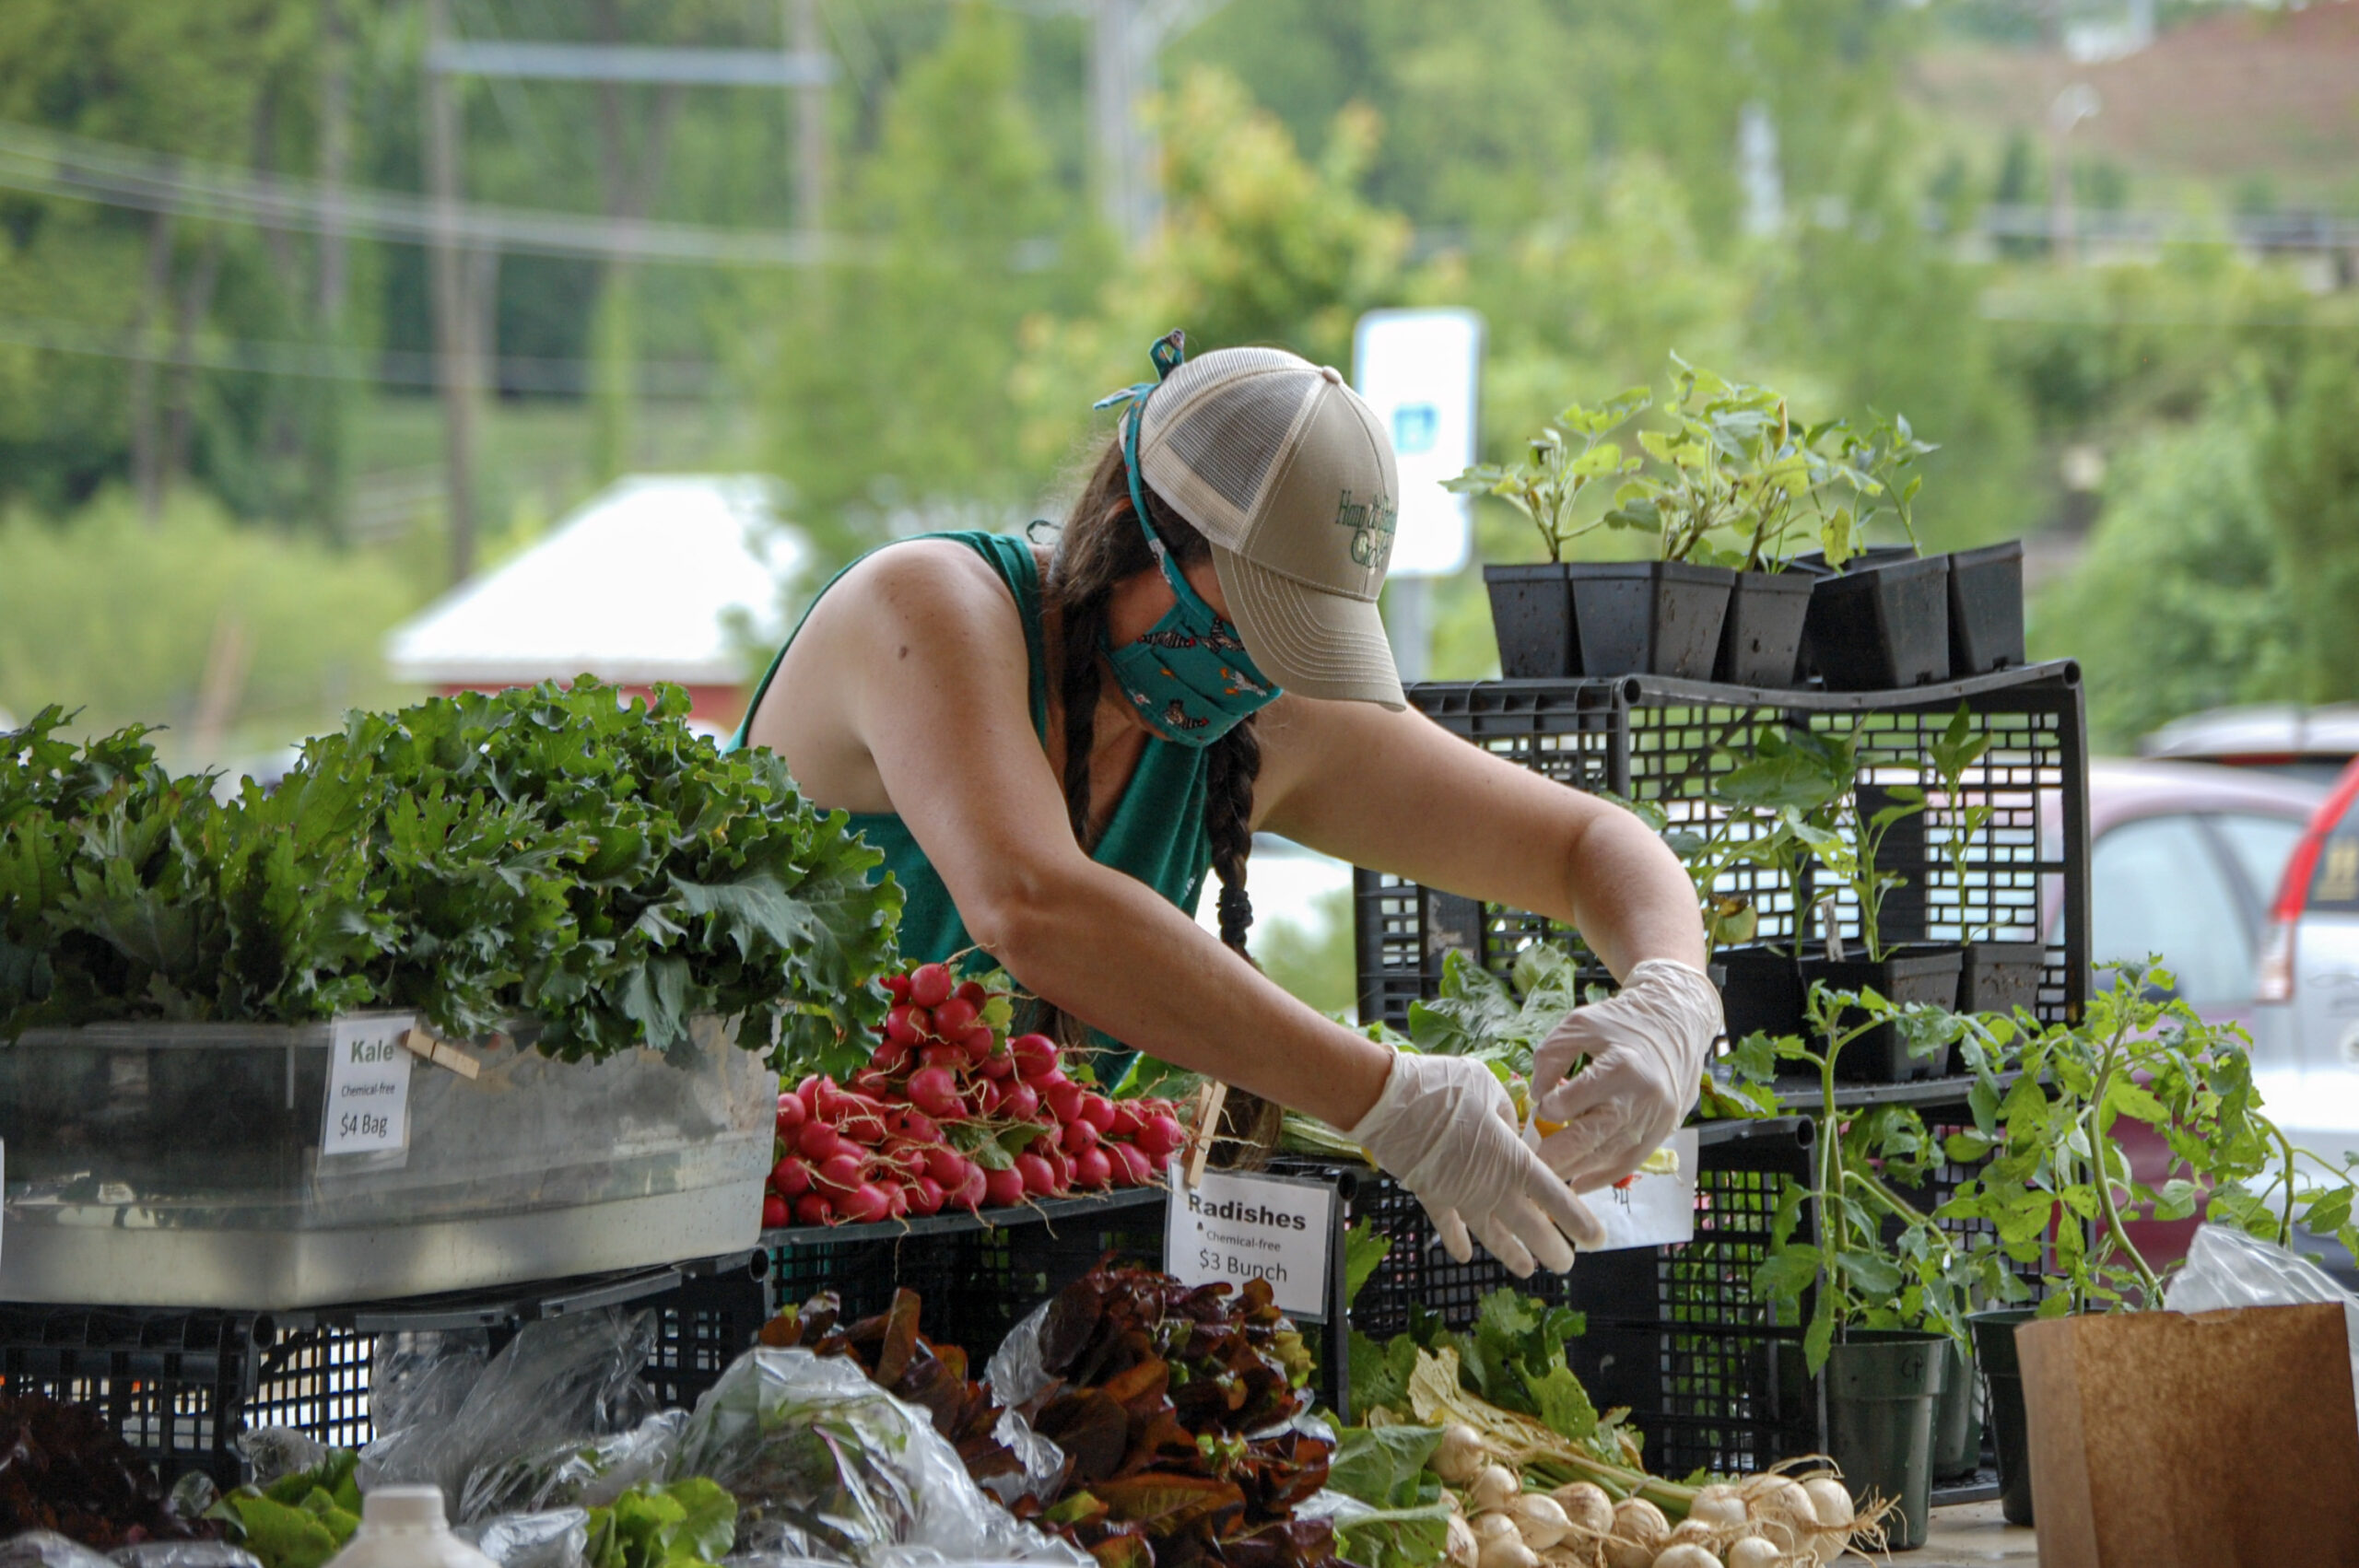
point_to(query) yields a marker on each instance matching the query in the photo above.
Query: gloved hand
(1446, 1129)
(1647, 1046)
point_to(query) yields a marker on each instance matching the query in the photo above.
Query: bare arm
(1440, 812)
(936, 673)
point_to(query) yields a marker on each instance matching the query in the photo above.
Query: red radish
(898, 986)
(1034, 1053)
(938, 1054)
(1079, 1135)
(1004, 1189)
(902, 1026)
(929, 984)
(947, 1166)
(869, 1081)
(1092, 1168)
(792, 1114)
(790, 1178)
(909, 1122)
(776, 1215)
(1135, 1170)
(1063, 1101)
(865, 1204)
(934, 1092)
(891, 1058)
(925, 1196)
(989, 1095)
(808, 1087)
(1034, 1172)
(817, 1141)
(813, 1210)
(1159, 1135)
(897, 1202)
(972, 991)
(978, 1042)
(1020, 1101)
(1044, 1081)
(840, 1173)
(1060, 1168)
(1098, 1112)
(970, 1194)
(953, 1019)
(1157, 1163)
(1126, 1120)
(906, 1161)
(997, 1064)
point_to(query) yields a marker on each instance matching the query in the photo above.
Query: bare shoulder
(925, 583)
(1303, 738)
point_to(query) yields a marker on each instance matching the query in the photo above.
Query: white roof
(657, 577)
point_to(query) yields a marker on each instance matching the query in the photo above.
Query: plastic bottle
(402, 1526)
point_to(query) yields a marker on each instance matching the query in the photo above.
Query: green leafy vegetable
(687, 1522)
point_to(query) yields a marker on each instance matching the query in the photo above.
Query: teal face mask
(1188, 677)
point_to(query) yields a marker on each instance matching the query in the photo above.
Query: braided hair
(1102, 544)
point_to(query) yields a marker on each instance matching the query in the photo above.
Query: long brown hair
(1100, 545)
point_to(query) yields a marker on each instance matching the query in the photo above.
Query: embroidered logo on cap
(1371, 525)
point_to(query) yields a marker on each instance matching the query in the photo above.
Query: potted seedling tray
(212, 1165)
(1761, 991)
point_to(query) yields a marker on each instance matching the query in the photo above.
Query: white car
(2305, 1020)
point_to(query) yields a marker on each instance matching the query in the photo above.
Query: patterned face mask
(1188, 677)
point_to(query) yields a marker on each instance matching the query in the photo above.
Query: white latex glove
(1445, 1127)
(1647, 1045)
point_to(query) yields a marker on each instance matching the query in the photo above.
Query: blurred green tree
(2309, 477)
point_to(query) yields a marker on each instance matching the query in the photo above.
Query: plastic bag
(421, 1379)
(561, 1384)
(557, 1538)
(826, 1465)
(271, 1452)
(2227, 1267)
(1015, 1373)
(183, 1554)
(47, 1549)
(587, 1475)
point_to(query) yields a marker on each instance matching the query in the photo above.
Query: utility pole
(1126, 38)
(457, 374)
(810, 120)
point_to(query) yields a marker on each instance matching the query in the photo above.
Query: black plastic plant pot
(1902, 975)
(1994, 1349)
(1999, 977)
(1761, 991)
(1882, 626)
(1761, 640)
(1986, 609)
(1881, 1390)
(1532, 616)
(1649, 617)
(1957, 1420)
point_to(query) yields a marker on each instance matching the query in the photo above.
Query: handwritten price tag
(367, 1086)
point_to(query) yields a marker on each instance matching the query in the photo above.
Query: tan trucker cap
(1290, 475)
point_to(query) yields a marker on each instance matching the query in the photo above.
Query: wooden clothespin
(442, 1053)
(1211, 1096)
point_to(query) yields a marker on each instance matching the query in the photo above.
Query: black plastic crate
(181, 1385)
(1663, 741)
(976, 1278)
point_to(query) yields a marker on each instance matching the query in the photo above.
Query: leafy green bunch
(1499, 1021)
(690, 1523)
(546, 853)
(1512, 1358)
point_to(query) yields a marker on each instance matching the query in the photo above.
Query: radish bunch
(950, 1113)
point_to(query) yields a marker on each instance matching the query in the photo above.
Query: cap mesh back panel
(1230, 439)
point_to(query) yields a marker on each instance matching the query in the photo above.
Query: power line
(52, 163)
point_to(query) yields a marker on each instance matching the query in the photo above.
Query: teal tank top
(1157, 835)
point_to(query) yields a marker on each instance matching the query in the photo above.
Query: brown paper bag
(2216, 1440)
